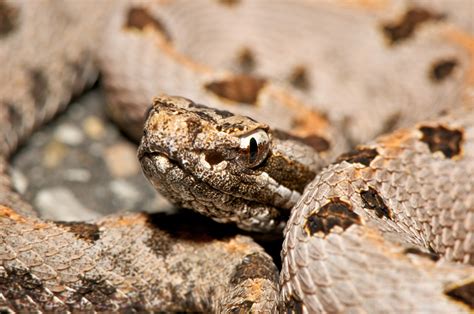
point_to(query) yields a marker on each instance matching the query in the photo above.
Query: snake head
(228, 167)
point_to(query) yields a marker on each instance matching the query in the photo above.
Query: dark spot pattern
(39, 87)
(223, 113)
(431, 255)
(246, 60)
(14, 115)
(230, 127)
(463, 293)
(97, 291)
(85, 231)
(9, 18)
(359, 155)
(214, 157)
(334, 213)
(254, 266)
(291, 174)
(404, 29)
(19, 286)
(443, 140)
(239, 88)
(229, 2)
(372, 200)
(160, 243)
(442, 69)
(299, 78)
(139, 18)
(318, 143)
(243, 307)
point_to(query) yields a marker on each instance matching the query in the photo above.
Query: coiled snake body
(387, 226)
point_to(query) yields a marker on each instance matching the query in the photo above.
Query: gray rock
(58, 203)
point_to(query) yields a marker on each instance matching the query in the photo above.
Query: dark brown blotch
(254, 266)
(160, 242)
(318, 143)
(85, 231)
(229, 2)
(39, 87)
(214, 157)
(443, 140)
(463, 293)
(239, 88)
(9, 18)
(397, 32)
(334, 213)
(20, 287)
(372, 200)
(246, 60)
(360, 155)
(139, 18)
(97, 291)
(299, 78)
(205, 116)
(221, 113)
(14, 115)
(442, 69)
(289, 173)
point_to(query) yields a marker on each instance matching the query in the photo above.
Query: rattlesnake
(365, 234)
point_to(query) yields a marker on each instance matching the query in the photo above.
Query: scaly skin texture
(364, 232)
(123, 262)
(131, 262)
(368, 230)
(194, 156)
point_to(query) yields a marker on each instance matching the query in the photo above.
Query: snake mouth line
(283, 214)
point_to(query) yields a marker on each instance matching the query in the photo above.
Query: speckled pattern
(384, 228)
(401, 204)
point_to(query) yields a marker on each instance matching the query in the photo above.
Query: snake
(346, 126)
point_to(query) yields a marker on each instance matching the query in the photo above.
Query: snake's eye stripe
(254, 148)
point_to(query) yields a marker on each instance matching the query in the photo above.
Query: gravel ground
(80, 167)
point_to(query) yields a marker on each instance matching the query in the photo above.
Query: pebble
(94, 128)
(59, 203)
(20, 182)
(77, 175)
(53, 154)
(69, 134)
(121, 160)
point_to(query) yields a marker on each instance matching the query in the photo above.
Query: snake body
(386, 227)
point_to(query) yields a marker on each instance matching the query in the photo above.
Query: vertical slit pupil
(253, 150)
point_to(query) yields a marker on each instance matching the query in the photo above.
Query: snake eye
(254, 147)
